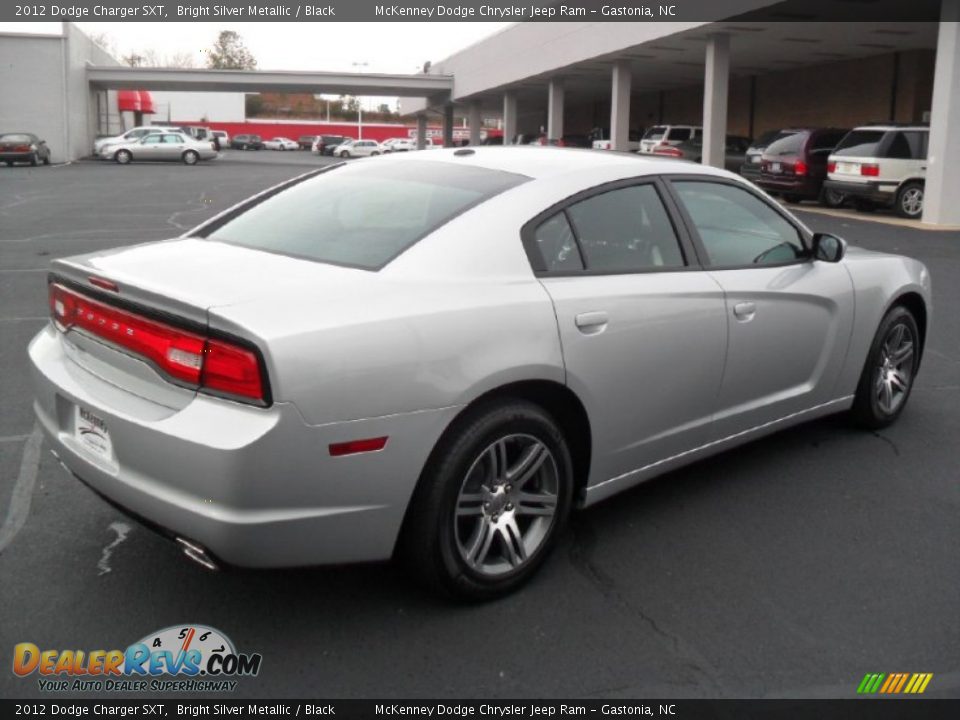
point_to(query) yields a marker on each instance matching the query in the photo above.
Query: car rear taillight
(190, 358)
(667, 150)
(831, 167)
(22, 148)
(870, 170)
(800, 168)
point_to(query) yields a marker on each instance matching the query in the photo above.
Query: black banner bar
(471, 11)
(854, 709)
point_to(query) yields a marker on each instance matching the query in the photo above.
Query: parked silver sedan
(160, 146)
(439, 355)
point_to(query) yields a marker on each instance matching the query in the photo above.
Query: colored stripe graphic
(894, 683)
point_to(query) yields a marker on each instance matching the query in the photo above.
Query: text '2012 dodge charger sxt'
(440, 354)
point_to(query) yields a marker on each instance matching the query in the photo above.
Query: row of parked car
(879, 165)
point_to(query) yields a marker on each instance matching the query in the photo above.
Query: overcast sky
(386, 47)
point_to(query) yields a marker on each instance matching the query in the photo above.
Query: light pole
(359, 105)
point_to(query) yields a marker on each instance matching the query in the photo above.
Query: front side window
(363, 215)
(736, 227)
(625, 230)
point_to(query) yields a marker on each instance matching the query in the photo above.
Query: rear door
(173, 146)
(789, 317)
(643, 328)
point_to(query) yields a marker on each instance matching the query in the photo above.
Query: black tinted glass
(860, 143)
(363, 215)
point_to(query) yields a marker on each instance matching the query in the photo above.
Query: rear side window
(363, 215)
(860, 143)
(907, 145)
(679, 134)
(625, 230)
(736, 228)
(557, 246)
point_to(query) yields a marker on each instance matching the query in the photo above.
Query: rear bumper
(17, 156)
(877, 191)
(805, 187)
(257, 487)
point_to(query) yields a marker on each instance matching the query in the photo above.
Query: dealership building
(771, 65)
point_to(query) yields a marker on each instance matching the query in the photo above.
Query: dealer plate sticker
(92, 434)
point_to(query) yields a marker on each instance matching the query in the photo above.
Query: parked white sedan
(280, 143)
(159, 146)
(358, 148)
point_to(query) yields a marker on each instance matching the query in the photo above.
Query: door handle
(592, 322)
(745, 311)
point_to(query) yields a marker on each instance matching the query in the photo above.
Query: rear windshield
(655, 133)
(769, 137)
(791, 144)
(365, 214)
(860, 143)
(16, 138)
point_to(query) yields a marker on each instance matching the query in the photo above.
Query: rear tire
(34, 161)
(491, 502)
(909, 203)
(123, 157)
(889, 372)
(832, 198)
(46, 160)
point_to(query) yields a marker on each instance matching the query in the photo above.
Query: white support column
(620, 106)
(421, 131)
(555, 109)
(475, 121)
(715, 86)
(509, 117)
(942, 188)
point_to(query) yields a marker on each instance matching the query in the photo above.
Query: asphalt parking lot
(789, 567)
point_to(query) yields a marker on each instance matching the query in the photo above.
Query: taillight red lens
(800, 168)
(667, 150)
(353, 447)
(831, 167)
(231, 369)
(22, 148)
(189, 357)
(870, 170)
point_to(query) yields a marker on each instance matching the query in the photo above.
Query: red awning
(146, 102)
(129, 100)
(135, 101)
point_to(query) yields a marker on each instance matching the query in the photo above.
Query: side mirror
(828, 248)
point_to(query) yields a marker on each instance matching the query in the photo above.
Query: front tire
(190, 158)
(123, 157)
(909, 202)
(890, 370)
(344, 154)
(491, 503)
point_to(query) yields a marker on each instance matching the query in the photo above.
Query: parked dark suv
(795, 166)
(326, 143)
(246, 142)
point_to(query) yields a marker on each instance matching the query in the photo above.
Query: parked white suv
(357, 148)
(660, 135)
(881, 165)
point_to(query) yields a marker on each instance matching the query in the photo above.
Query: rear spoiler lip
(132, 306)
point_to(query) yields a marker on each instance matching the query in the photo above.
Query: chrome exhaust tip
(197, 553)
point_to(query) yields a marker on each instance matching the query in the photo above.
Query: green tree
(229, 53)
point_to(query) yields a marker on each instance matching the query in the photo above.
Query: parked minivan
(751, 164)
(882, 165)
(795, 166)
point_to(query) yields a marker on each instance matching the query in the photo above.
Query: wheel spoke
(497, 461)
(512, 541)
(470, 504)
(536, 504)
(902, 353)
(897, 381)
(528, 465)
(886, 395)
(482, 540)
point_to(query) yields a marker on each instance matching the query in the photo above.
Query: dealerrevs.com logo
(180, 658)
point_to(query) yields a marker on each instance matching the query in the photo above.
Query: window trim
(684, 242)
(703, 255)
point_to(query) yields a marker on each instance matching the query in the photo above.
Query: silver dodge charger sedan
(439, 355)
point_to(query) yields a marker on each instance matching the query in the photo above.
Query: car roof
(888, 128)
(541, 162)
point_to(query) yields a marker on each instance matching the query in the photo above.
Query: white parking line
(23, 489)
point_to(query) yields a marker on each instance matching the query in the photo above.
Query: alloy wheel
(894, 371)
(507, 505)
(912, 201)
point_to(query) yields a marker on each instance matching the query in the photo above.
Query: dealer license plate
(92, 434)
